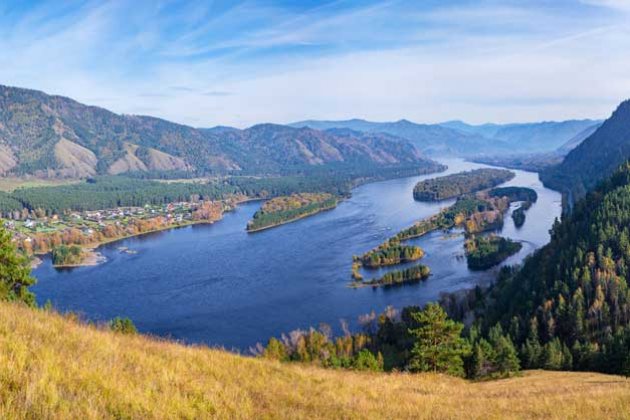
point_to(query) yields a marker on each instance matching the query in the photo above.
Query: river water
(218, 285)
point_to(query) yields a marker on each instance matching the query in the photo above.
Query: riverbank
(89, 258)
(94, 258)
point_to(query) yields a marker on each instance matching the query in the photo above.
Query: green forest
(454, 185)
(105, 192)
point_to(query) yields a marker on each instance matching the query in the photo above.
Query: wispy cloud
(243, 62)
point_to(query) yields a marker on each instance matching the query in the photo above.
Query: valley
(282, 281)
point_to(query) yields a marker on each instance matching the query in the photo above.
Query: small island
(483, 252)
(518, 215)
(455, 185)
(391, 252)
(285, 209)
(526, 196)
(515, 194)
(414, 274)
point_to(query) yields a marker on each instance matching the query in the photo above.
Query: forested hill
(569, 306)
(54, 136)
(595, 158)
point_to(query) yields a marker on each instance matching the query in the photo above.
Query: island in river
(280, 210)
(484, 252)
(455, 185)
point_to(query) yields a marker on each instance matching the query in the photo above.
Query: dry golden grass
(51, 367)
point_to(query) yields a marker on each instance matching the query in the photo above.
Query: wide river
(218, 285)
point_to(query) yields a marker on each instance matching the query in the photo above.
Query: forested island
(455, 185)
(526, 196)
(281, 210)
(413, 274)
(391, 253)
(483, 252)
(515, 193)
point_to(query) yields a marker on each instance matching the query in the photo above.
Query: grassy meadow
(54, 367)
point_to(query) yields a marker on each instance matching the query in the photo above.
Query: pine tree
(506, 359)
(439, 346)
(15, 272)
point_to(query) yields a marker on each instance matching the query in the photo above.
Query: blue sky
(244, 62)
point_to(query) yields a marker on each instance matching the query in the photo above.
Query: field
(53, 367)
(10, 184)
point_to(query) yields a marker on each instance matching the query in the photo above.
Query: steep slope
(53, 136)
(573, 295)
(429, 138)
(52, 367)
(595, 158)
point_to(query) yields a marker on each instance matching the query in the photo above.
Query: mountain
(573, 294)
(539, 162)
(459, 138)
(279, 148)
(54, 367)
(54, 136)
(595, 158)
(576, 140)
(530, 137)
(432, 139)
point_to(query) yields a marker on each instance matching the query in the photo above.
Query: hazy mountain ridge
(543, 136)
(459, 138)
(432, 139)
(54, 136)
(595, 158)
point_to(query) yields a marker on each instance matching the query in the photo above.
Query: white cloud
(439, 66)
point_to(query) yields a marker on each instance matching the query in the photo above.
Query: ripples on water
(218, 285)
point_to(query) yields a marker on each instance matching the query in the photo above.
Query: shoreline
(36, 261)
(90, 259)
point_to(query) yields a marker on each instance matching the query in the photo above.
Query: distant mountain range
(595, 158)
(54, 136)
(459, 138)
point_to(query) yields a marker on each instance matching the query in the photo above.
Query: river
(218, 285)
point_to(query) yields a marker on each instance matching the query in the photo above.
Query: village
(36, 233)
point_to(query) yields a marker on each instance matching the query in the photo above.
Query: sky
(240, 63)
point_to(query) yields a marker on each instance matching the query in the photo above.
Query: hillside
(595, 158)
(575, 299)
(52, 367)
(57, 137)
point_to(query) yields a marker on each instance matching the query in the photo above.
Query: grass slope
(52, 367)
